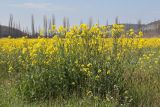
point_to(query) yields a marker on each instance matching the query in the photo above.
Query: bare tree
(90, 24)
(98, 22)
(26, 31)
(19, 26)
(17, 32)
(0, 30)
(50, 24)
(45, 26)
(116, 20)
(158, 29)
(139, 25)
(68, 24)
(39, 30)
(107, 22)
(81, 22)
(33, 26)
(10, 24)
(50, 28)
(53, 20)
(64, 22)
(14, 25)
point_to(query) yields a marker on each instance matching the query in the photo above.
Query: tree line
(16, 29)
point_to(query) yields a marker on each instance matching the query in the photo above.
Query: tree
(98, 22)
(158, 29)
(116, 20)
(90, 24)
(53, 20)
(107, 22)
(68, 24)
(45, 26)
(27, 31)
(64, 22)
(19, 26)
(50, 33)
(139, 25)
(10, 24)
(0, 30)
(39, 30)
(49, 26)
(32, 26)
(81, 22)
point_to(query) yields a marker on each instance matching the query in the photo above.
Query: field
(81, 66)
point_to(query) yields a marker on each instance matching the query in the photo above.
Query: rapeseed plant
(80, 60)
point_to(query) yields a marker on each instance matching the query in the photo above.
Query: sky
(128, 11)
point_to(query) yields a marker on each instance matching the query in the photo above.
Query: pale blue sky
(128, 11)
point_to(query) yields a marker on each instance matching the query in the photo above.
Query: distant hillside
(133, 26)
(150, 30)
(6, 31)
(153, 26)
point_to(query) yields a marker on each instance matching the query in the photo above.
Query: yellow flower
(82, 65)
(99, 71)
(89, 93)
(84, 27)
(53, 27)
(97, 77)
(9, 37)
(10, 69)
(24, 50)
(156, 62)
(108, 72)
(140, 34)
(41, 32)
(150, 66)
(61, 29)
(89, 65)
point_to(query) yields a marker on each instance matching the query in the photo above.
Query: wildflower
(53, 27)
(140, 34)
(73, 83)
(41, 32)
(61, 29)
(97, 77)
(89, 65)
(24, 50)
(9, 37)
(99, 71)
(156, 62)
(108, 72)
(89, 93)
(82, 65)
(76, 62)
(95, 98)
(84, 27)
(150, 66)
(117, 30)
(10, 69)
